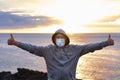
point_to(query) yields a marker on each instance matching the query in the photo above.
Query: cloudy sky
(46, 16)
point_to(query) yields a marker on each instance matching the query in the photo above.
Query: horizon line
(66, 32)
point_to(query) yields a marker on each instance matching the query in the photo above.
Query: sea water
(100, 65)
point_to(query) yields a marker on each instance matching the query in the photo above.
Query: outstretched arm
(28, 47)
(97, 46)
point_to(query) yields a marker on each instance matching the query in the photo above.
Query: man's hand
(11, 41)
(110, 40)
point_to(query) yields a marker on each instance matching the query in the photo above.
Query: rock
(6, 76)
(24, 74)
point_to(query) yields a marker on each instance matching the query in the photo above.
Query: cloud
(113, 18)
(9, 20)
(109, 22)
(103, 25)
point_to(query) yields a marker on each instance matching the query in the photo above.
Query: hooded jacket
(61, 62)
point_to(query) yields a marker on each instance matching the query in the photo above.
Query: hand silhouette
(110, 40)
(11, 41)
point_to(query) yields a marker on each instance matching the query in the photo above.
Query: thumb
(109, 36)
(11, 36)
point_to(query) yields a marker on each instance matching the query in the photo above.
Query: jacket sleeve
(92, 47)
(32, 49)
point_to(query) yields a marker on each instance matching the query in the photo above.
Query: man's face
(60, 36)
(60, 40)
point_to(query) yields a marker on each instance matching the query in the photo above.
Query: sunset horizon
(73, 16)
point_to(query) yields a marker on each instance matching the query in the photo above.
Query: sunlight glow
(74, 13)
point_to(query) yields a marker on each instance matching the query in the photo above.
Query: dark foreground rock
(24, 74)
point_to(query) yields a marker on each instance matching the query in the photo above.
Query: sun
(76, 13)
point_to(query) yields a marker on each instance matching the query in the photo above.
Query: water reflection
(102, 64)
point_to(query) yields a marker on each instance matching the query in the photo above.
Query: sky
(46, 16)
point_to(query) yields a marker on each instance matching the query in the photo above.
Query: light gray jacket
(61, 62)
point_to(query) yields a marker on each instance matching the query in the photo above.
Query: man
(62, 57)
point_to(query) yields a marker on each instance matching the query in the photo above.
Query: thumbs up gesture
(11, 41)
(110, 40)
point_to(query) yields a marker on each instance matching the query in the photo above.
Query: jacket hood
(60, 31)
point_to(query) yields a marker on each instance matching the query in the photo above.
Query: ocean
(102, 64)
